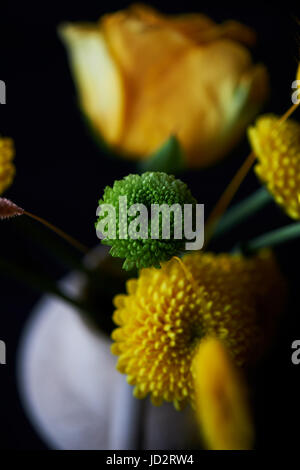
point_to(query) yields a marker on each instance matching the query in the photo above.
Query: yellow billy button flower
(143, 76)
(164, 317)
(277, 147)
(221, 399)
(7, 169)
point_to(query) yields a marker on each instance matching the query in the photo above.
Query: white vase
(73, 394)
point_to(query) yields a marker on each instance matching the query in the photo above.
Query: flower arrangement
(186, 326)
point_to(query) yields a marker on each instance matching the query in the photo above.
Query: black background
(61, 173)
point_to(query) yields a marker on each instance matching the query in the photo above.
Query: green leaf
(242, 211)
(169, 158)
(273, 238)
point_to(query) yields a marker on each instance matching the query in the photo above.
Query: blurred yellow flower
(221, 399)
(164, 317)
(277, 147)
(143, 76)
(7, 169)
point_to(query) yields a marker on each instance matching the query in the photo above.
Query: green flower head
(132, 218)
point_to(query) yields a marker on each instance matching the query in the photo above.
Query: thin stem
(289, 112)
(273, 238)
(241, 211)
(235, 183)
(59, 232)
(36, 281)
(39, 281)
(47, 239)
(187, 273)
(228, 195)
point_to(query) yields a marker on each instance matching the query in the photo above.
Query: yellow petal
(139, 49)
(98, 78)
(195, 26)
(221, 399)
(181, 99)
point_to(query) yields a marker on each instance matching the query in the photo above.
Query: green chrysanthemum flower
(151, 188)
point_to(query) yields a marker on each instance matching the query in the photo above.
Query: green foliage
(168, 158)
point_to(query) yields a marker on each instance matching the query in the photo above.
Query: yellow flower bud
(221, 399)
(7, 169)
(143, 77)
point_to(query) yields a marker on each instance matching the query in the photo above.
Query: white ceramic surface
(74, 396)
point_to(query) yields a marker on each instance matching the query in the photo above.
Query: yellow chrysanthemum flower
(277, 147)
(164, 316)
(221, 400)
(7, 169)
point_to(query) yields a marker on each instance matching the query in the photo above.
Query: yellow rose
(143, 77)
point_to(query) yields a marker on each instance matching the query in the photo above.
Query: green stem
(273, 238)
(36, 281)
(241, 211)
(60, 249)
